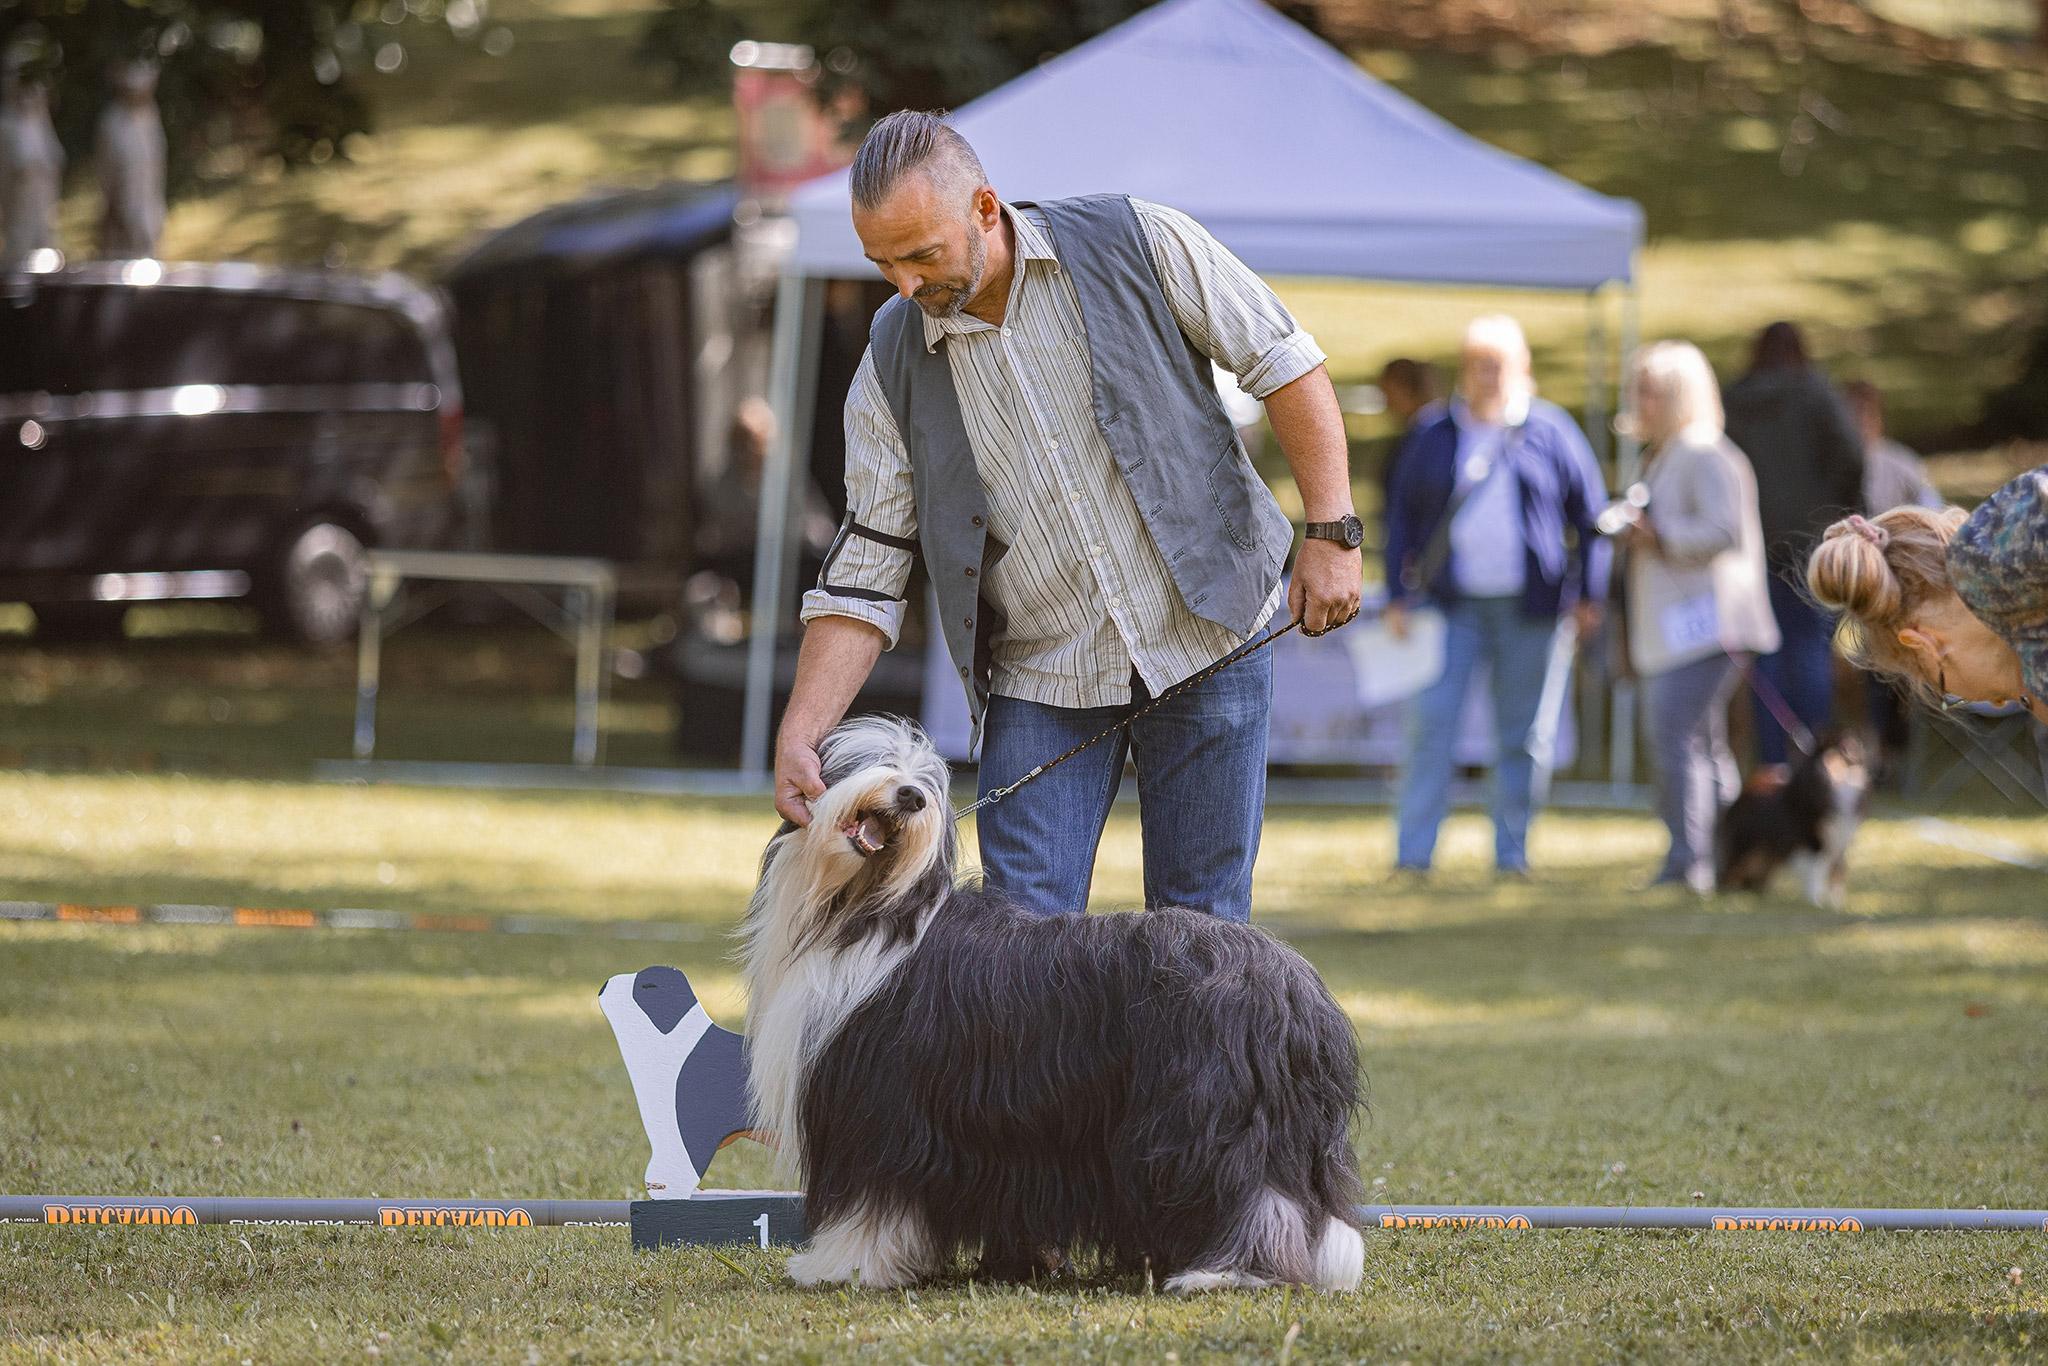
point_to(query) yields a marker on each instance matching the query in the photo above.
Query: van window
(113, 337)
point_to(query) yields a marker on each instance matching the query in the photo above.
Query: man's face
(928, 242)
(1485, 375)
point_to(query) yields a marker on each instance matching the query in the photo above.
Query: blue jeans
(1802, 671)
(1201, 762)
(1516, 649)
(1687, 712)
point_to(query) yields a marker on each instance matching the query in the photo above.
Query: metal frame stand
(582, 618)
(1986, 748)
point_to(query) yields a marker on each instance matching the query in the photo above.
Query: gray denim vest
(1223, 537)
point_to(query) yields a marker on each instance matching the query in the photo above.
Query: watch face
(1354, 533)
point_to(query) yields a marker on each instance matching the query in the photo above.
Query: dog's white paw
(880, 1253)
(1195, 1282)
(1340, 1258)
(810, 1268)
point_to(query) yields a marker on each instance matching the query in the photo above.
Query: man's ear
(1925, 648)
(988, 208)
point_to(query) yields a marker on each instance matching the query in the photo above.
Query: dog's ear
(775, 842)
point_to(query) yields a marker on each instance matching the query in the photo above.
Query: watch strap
(1338, 531)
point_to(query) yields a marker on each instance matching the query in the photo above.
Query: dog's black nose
(910, 799)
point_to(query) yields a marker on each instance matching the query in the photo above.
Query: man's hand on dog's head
(798, 781)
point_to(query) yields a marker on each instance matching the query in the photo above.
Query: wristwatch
(1346, 531)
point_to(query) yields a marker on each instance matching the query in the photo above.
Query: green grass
(1561, 1040)
(194, 687)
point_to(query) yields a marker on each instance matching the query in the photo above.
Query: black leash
(1241, 652)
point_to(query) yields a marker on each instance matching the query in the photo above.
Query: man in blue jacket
(1517, 554)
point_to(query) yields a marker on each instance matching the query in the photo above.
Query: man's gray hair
(907, 141)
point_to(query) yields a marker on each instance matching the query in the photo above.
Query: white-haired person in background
(1480, 516)
(1950, 605)
(1698, 602)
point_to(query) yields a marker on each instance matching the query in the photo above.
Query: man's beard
(947, 301)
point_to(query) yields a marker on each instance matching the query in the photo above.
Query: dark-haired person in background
(1414, 397)
(1808, 459)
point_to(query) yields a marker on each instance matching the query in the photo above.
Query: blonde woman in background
(1698, 602)
(1952, 606)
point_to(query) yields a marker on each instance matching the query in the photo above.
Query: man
(1036, 416)
(1503, 569)
(1785, 417)
(1412, 393)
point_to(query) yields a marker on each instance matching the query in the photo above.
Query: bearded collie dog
(1806, 816)
(946, 1073)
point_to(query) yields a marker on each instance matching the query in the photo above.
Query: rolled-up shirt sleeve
(1225, 309)
(868, 565)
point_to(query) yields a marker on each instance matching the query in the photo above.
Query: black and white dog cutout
(689, 1076)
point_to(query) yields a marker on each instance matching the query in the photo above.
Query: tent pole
(1590, 700)
(1596, 373)
(1628, 453)
(1627, 466)
(811, 334)
(777, 479)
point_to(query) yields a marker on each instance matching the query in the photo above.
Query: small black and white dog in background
(946, 1073)
(1806, 817)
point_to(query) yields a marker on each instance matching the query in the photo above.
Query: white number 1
(762, 1224)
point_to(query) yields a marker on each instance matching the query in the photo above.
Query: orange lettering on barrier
(119, 1214)
(441, 1216)
(286, 919)
(1778, 1223)
(101, 915)
(1514, 1221)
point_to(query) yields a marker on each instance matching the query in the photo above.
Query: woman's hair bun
(1849, 572)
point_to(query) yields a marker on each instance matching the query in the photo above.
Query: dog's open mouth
(869, 835)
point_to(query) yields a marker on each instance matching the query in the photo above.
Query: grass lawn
(1561, 1040)
(195, 687)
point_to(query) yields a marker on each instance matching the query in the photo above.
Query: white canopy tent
(1294, 158)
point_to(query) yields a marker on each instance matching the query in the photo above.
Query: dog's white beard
(801, 987)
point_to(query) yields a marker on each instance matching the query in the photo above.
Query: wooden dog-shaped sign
(689, 1076)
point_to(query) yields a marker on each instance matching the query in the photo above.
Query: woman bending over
(1953, 606)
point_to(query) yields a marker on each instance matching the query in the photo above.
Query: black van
(218, 431)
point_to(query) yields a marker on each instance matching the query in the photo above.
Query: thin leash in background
(1774, 702)
(1241, 652)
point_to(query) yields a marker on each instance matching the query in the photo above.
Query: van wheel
(317, 593)
(79, 621)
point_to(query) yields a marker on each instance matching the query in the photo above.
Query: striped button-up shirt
(1085, 594)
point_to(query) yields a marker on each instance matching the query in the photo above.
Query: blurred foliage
(2019, 411)
(901, 54)
(240, 80)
